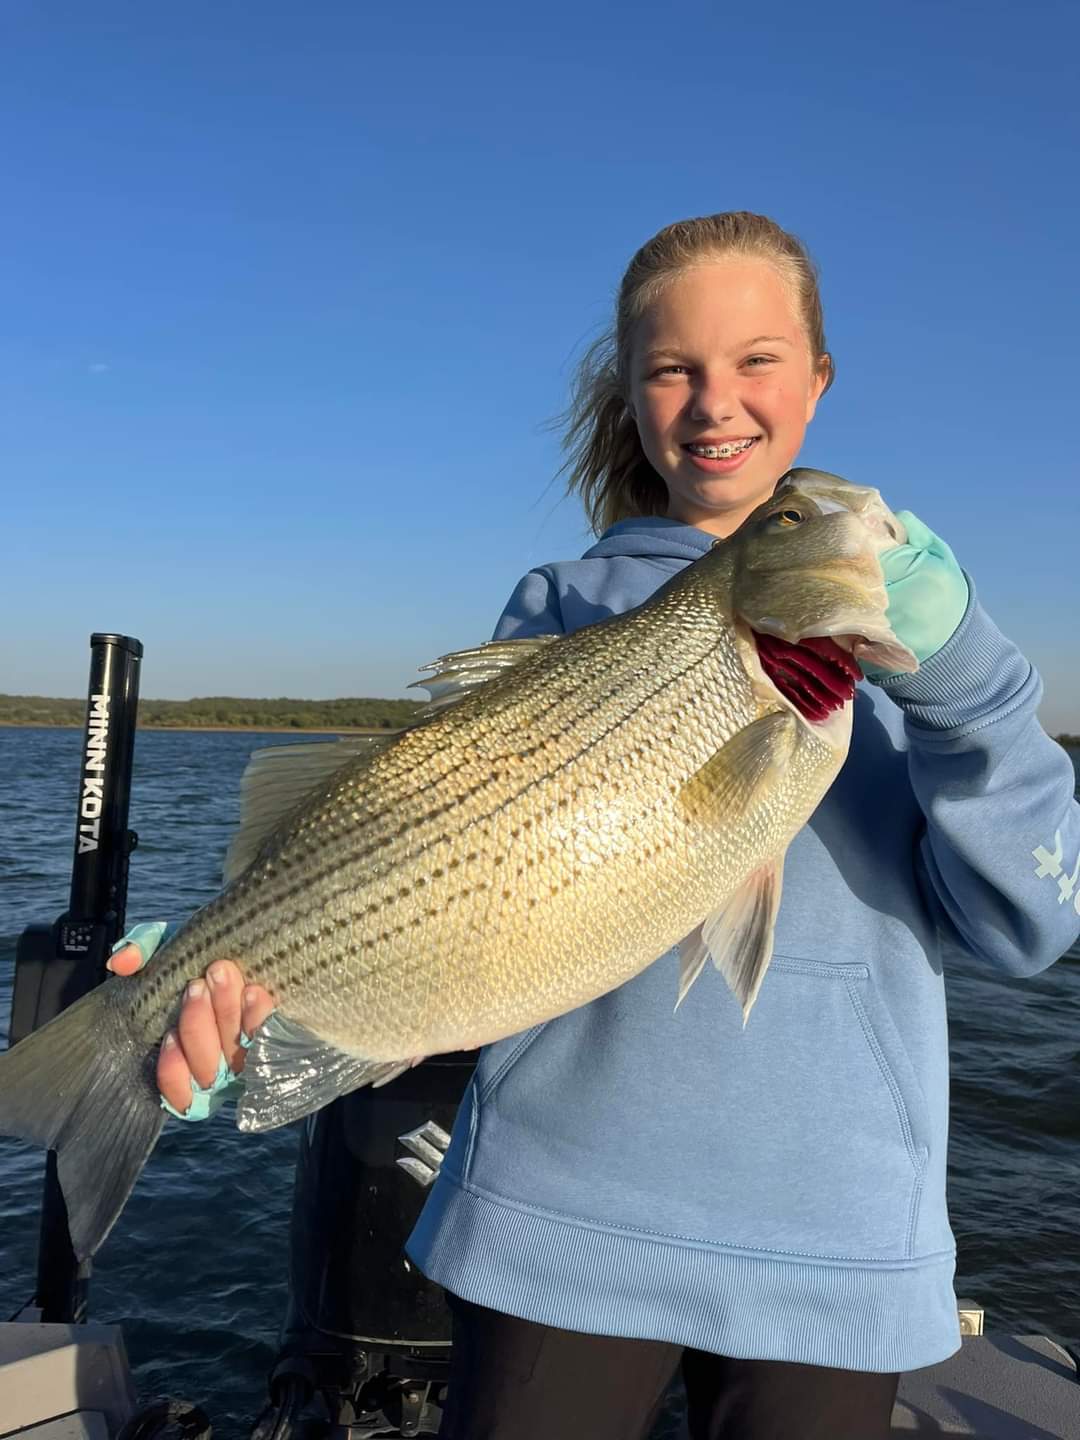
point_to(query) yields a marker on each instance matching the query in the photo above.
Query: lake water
(195, 1268)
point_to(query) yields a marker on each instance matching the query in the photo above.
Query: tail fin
(83, 1086)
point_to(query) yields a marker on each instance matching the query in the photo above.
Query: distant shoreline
(222, 729)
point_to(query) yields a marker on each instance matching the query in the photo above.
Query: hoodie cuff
(976, 676)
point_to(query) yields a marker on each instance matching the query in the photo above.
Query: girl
(628, 1191)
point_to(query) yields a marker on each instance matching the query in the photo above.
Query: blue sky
(289, 291)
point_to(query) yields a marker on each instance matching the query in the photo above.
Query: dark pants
(511, 1379)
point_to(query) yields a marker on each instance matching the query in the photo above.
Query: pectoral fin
(738, 938)
(734, 780)
(290, 1072)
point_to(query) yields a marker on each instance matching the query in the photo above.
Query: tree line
(212, 712)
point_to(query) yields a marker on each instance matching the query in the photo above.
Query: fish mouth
(817, 675)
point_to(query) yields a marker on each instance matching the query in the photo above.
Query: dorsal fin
(277, 778)
(456, 675)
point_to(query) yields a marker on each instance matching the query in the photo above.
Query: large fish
(566, 810)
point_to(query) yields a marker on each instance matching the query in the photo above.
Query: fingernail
(116, 949)
(217, 974)
(196, 990)
(169, 1043)
(251, 996)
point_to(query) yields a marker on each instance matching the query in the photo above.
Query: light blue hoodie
(776, 1192)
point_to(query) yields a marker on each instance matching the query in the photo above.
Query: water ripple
(195, 1268)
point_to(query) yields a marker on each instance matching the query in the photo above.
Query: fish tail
(83, 1086)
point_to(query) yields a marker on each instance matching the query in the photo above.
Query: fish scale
(585, 804)
(619, 709)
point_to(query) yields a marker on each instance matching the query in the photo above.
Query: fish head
(807, 573)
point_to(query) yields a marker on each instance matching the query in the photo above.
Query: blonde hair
(605, 462)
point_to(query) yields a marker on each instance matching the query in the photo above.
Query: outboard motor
(366, 1342)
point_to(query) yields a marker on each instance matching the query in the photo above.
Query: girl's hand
(208, 1044)
(927, 590)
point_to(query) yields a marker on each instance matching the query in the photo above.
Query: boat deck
(66, 1382)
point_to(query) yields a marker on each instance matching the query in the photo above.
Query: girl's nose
(713, 401)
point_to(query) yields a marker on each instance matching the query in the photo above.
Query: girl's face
(722, 388)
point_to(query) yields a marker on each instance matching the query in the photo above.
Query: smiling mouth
(723, 450)
(817, 675)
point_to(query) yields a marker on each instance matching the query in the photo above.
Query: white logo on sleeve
(1050, 864)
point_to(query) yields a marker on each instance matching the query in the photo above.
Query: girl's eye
(758, 360)
(670, 370)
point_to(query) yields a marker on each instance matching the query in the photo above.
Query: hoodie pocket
(494, 1063)
(806, 1133)
(886, 1046)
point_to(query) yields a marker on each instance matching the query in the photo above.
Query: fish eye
(788, 517)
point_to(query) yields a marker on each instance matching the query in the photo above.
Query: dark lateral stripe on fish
(661, 714)
(309, 969)
(300, 889)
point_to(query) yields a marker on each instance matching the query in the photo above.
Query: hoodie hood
(651, 535)
(625, 566)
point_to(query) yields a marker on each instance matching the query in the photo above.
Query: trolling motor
(57, 964)
(365, 1344)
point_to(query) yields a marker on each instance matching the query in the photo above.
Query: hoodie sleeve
(533, 609)
(1000, 856)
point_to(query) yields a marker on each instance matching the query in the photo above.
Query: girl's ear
(819, 382)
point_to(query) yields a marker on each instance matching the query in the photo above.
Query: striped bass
(565, 810)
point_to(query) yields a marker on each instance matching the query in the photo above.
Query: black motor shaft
(103, 842)
(57, 964)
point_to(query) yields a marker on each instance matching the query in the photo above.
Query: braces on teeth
(721, 452)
